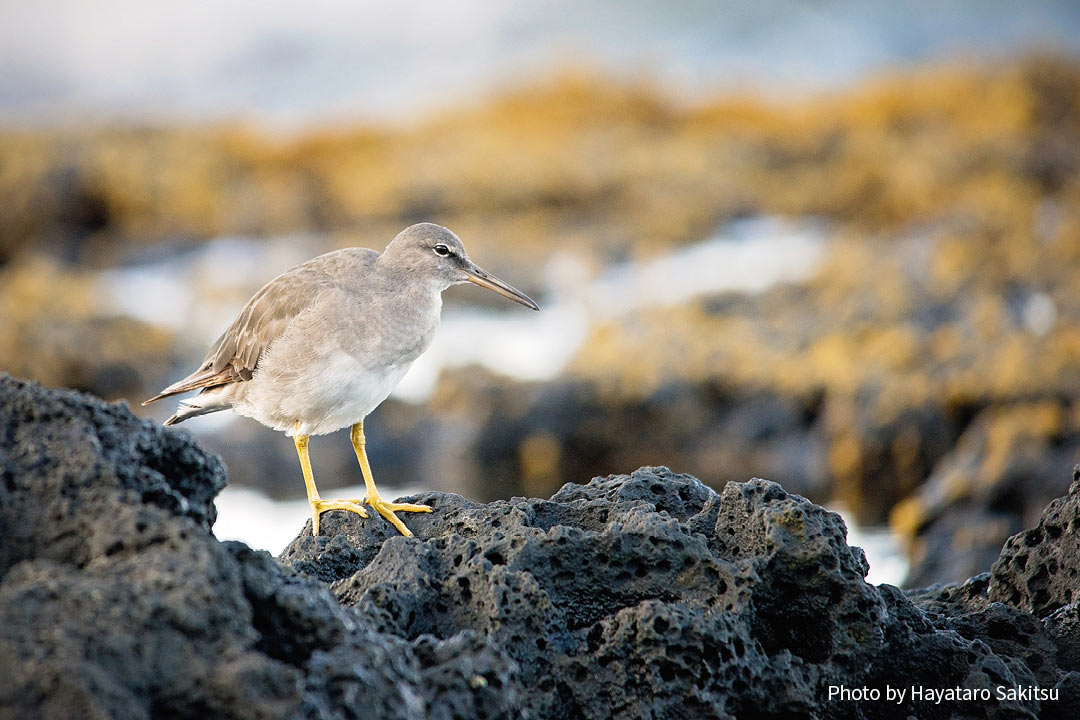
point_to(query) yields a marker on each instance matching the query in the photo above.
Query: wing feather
(236, 354)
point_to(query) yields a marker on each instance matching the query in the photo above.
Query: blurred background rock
(835, 244)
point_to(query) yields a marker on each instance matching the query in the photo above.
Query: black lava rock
(116, 601)
(650, 595)
(641, 595)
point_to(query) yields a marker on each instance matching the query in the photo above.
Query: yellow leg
(387, 510)
(318, 505)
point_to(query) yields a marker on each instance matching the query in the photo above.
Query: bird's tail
(196, 406)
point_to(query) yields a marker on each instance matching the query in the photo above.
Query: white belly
(341, 393)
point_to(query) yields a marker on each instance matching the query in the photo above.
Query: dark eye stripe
(441, 250)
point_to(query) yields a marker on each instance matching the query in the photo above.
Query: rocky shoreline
(924, 376)
(640, 595)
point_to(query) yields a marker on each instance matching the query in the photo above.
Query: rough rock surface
(641, 595)
(650, 593)
(116, 600)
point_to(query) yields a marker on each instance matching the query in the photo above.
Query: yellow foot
(319, 506)
(387, 510)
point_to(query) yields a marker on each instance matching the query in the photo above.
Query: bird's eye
(441, 250)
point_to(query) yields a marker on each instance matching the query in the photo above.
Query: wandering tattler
(321, 345)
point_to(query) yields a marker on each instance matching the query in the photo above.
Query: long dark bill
(484, 279)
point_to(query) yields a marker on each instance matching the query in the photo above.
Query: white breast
(341, 393)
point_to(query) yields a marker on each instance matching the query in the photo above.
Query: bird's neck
(412, 290)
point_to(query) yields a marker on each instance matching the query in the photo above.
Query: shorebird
(323, 344)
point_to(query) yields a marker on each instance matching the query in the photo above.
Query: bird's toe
(318, 507)
(387, 510)
(407, 507)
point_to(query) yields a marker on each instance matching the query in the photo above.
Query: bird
(320, 346)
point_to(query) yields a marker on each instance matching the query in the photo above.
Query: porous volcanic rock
(641, 595)
(650, 595)
(116, 601)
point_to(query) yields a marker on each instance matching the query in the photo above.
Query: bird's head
(432, 251)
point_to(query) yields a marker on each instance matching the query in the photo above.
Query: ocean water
(291, 64)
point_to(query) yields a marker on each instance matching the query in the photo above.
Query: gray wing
(236, 354)
(263, 319)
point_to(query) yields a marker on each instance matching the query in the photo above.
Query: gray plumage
(321, 345)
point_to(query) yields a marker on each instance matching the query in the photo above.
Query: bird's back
(270, 311)
(344, 351)
(236, 354)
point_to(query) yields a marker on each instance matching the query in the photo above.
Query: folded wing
(235, 355)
